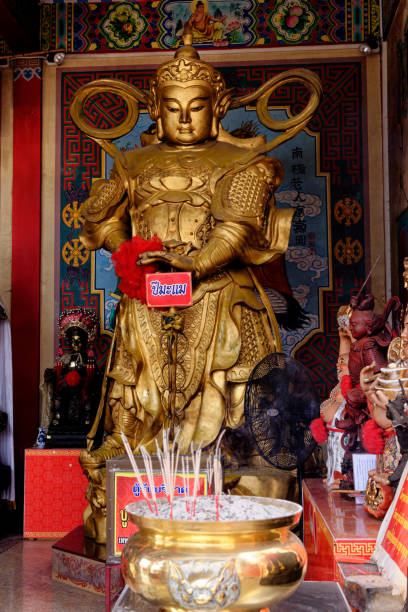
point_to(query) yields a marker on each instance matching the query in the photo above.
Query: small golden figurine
(209, 197)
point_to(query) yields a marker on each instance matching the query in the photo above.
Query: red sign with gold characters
(127, 490)
(165, 289)
(395, 541)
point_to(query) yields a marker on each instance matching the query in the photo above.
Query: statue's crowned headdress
(185, 67)
(82, 318)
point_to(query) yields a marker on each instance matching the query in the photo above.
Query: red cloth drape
(25, 274)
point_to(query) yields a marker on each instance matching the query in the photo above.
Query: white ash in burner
(231, 508)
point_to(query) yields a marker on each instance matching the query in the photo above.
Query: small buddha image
(204, 26)
(74, 382)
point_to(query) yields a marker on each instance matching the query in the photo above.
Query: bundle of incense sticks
(136, 470)
(168, 457)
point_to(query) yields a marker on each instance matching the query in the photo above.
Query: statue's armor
(173, 192)
(180, 211)
(212, 203)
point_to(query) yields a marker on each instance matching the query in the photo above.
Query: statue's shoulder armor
(104, 193)
(246, 188)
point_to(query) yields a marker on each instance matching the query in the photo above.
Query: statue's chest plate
(172, 199)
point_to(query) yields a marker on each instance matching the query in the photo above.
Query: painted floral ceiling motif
(124, 25)
(79, 26)
(293, 21)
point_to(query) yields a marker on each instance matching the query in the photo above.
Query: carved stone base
(81, 563)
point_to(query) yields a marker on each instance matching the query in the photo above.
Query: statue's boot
(95, 459)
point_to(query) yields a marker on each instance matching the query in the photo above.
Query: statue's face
(360, 322)
(186, 113)
(76, 342)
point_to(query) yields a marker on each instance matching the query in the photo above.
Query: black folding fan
(280, 403)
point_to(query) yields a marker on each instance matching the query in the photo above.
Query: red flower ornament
(373, 439)
(133, 276)
(319, 431)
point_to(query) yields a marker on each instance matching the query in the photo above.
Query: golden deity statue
(209, 197)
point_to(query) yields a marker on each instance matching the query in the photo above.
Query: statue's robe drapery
(216, 203)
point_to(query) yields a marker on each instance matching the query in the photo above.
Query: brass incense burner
(389, 380)
(180, 565)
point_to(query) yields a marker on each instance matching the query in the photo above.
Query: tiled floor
(26, 584)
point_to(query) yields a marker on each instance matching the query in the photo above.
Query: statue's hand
(344, 332)
(368, 377)
(180, 262)
(378, 399)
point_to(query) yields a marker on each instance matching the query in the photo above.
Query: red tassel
(58, 369)
(345, 385)
(318, 429)
(58, 361)
(373, 439)
(125, 261)
(90, 364)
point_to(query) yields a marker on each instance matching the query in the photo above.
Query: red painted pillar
(25, 273)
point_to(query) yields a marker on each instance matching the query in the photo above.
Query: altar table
(336, 530)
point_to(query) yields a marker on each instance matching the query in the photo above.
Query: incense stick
(149, 471)
(196, 459)
(217, 466)
(183, 468)
(210, 472)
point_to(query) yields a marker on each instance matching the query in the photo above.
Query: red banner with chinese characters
(395, 541)
(169, 289)
(127, 490)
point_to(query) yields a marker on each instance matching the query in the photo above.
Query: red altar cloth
(54, 492)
